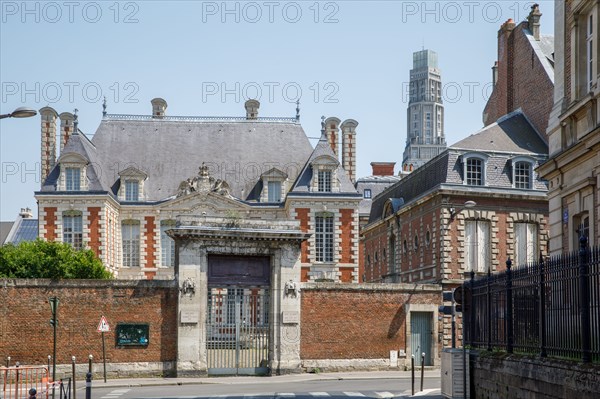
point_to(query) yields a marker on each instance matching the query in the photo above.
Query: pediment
(72, 157)
(325, 160)
(274, 173)
(204, 202)
(133, 172)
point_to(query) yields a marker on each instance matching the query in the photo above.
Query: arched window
(474, 169)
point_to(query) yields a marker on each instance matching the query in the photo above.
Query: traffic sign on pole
(103, 325)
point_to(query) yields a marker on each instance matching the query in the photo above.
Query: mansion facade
(121, 192)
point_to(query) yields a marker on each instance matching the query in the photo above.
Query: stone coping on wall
(370, 287)
(75, 283)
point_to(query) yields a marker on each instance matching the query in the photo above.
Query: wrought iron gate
(237, 331)
(421, 334)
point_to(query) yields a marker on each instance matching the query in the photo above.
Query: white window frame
(324, 237)
(274, 190)
(466, 159)
(167, 244)
(73, 179)
(526, 243)
(130, 237)
(324, 180)
(131, 194)
(477, 245)
(72, 225)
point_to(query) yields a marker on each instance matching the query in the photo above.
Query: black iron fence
(548, 308)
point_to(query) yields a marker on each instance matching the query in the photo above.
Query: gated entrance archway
(237, 322)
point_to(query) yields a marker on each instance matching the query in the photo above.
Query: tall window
(324, 238)
(130, 234)
(474, 172)
(73, 229)
(392, 259)
(167, 244)
(274, 188)
(581, 224)
(367, 193)
(324, 181)
(522, 175)
(477, 245)
(590, 51)
(73, 179)
(526, 243)
(132, 188)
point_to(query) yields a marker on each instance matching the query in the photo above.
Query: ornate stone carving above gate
(203, 183)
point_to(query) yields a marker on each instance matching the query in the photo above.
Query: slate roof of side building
(512, 135)
(171, 149)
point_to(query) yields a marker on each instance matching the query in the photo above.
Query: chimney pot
(533, 21)
(252, 107)
(159, 108)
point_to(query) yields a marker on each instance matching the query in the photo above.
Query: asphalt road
(348, 389)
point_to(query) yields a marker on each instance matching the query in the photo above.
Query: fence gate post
(471, 310)
(489, 309)
(509, 308)
(586, 355)
(542, 310)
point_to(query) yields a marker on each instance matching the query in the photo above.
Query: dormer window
(367, 193)
(73, 179)
(73, 172)
(474, 169)
(273, 185)
(522, 172)
(132, 190)
(324, 181)
(132, 185)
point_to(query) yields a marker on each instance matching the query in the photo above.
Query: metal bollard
(422, 368)
(8, 362)
(49, 361)
(74, 386)
(88, 386)
(32, 393)
(90, 357)
(412, 372)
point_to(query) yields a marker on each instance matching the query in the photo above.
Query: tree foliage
(53, 260)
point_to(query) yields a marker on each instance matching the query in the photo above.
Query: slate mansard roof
(511, 136)
(171, 149)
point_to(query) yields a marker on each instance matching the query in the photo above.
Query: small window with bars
(522, 175)
(474, 172)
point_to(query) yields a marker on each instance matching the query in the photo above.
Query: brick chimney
(252, 107)
(159, 108)
(505, 61)
(383, 168)
(48, 140)
(533, 21)
(349, 147)
(332, 127)
(66, 128)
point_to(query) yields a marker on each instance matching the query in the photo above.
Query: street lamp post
(54, 308)
(21, 112)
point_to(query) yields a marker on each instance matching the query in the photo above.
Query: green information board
(129, 334)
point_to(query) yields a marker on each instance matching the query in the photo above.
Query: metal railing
(181, 118)
(548, 308)
(19, 380)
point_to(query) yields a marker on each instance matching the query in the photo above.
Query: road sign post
(102, 328)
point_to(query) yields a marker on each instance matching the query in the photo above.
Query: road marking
(286, 394)
(115, 393)
(353, 394)
(427, 392)
(384, 394)
(319, 394)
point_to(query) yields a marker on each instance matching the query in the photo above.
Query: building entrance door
(421, 334)
(237, 322)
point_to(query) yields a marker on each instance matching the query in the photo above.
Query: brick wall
(50, 223)
(358, 321)
(302, 216)
(522, 80)
(347, 235)
(26, 335)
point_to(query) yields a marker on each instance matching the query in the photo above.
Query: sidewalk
(357, 375)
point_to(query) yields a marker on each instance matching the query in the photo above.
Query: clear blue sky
(350, 59)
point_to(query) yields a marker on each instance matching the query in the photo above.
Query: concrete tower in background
(425, 115)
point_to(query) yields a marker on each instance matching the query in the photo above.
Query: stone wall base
(332, 365)
(117, 370)
(501, 376)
